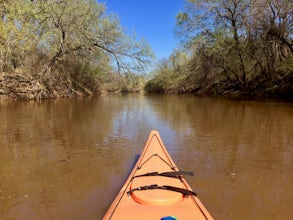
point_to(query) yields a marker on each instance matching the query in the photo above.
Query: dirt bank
(19, 86)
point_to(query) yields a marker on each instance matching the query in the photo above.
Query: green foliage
(169, 73)
(71, 39)
(233, 46)
(16, 37)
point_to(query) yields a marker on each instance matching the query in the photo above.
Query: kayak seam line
(124, 192)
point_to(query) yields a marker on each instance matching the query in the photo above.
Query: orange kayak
(156, 189)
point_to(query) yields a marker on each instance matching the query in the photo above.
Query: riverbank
(21, 86)
(281, 87)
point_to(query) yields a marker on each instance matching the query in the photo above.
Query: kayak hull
(155, 189)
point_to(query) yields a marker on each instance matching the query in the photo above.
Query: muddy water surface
(66, 159)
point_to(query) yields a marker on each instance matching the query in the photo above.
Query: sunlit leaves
(233, 43)
(62, 29)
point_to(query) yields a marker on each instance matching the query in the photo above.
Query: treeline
(230, 46)
(52, 48)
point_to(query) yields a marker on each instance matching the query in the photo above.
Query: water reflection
(241, 153)
(66, 159)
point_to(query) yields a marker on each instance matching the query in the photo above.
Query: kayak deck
(156, 189)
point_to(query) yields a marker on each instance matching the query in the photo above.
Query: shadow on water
(137, 156)
(121, 183)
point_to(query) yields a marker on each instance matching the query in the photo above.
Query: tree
(243, 40)
(169, 74)
(209, 18)
(76, 25)
(16, 38)
(65, 28)
(66, 43)
(270, 28)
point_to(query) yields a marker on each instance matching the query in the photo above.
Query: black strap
(176, 174)
(173, 174)
(185, 192)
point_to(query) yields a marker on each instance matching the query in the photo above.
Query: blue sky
(153, 20)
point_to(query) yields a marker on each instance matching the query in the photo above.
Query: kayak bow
(156, 189)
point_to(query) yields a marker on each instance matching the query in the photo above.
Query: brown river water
(67, 159)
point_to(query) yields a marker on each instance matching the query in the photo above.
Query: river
(67, 158)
